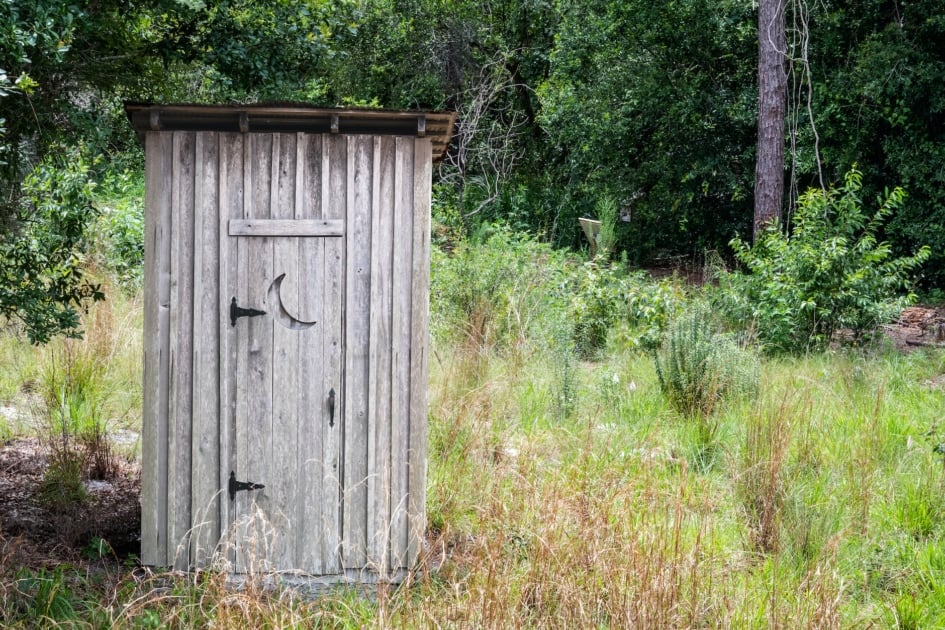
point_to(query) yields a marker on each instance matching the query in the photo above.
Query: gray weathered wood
(158, 201)
(419, 315)
(357, 345)
(343, 222)
(181, 348)
(400, 348)
(282, 479)
(334, 206)
(205, 453)
(379, 385)
(231, 205)
(254, 365)
(283, 227)
(308, 450)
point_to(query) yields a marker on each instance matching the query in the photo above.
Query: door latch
(235, 486)
(238, 311)
(331, 407)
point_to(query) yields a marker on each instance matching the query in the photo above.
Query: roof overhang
(438, 126)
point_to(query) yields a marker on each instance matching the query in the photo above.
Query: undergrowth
(567, 492)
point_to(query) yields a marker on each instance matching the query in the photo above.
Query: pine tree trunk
(772, 96)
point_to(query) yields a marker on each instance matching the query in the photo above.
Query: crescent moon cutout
(274, 296)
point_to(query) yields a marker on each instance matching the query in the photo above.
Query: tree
(64, 69)
(653, 103)
(772, 98)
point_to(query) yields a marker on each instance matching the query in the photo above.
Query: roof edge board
(438, 126)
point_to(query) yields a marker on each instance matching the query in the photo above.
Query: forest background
(565, 107)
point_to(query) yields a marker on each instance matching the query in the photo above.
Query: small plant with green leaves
(597, 303)
(650, 305)
(607, 237)
(829, 273)
(698, 367)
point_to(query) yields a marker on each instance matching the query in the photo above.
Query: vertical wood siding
(253, 398)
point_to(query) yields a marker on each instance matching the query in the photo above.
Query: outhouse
(286, 296)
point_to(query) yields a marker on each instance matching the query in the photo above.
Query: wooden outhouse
(286, 337)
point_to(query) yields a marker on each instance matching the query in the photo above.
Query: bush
(508, 290)
(597, 302)
(698, 368)
(830, 273)
(42, 264)
(501, 292)
(603, 296)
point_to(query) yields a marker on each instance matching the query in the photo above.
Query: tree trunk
(772, 97)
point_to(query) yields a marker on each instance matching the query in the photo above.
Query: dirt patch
(110, 519)
(917, 327)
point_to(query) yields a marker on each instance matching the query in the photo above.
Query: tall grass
(823, 507)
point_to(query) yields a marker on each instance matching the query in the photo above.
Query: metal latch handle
(331, 407)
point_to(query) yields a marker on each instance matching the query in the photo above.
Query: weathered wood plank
(282, 484)
(357, 332)
(419, 315)
(310, 292)
(333, 206)
(282, 227)
(254, 372)
(231, 206)
(400, 348)
(158, 203)
(181, 344)
(205, 453)
(379, 381)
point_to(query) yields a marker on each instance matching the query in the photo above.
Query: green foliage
(699, 368)
(830, 273)
(672, 88)
(42, 280)
(120, 228)
(500, 293)
(650, 307)
(62, 487)
(44, 597)
(879, 102)
(276, 48)
(606, 299)
(598, 301)
(607, 237)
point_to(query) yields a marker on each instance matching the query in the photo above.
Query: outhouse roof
(438, 126)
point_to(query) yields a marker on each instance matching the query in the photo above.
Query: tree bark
(772, 97)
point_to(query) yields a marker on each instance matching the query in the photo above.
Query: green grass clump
(698, 367)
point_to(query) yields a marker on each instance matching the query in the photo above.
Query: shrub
(697, 367)
(650, 306)
(500, 292)
(604, 295)
(597, 302)
(42, 264)
(830, 272)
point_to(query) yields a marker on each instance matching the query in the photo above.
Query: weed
(698, 368)
(760, 481)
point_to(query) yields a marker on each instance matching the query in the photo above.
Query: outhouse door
(282, 360)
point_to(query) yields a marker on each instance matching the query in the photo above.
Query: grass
(817, 502)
